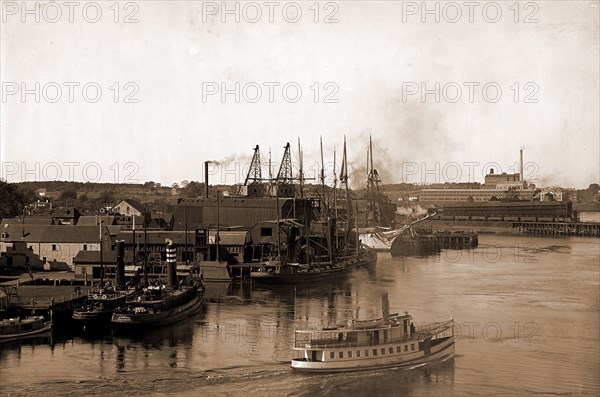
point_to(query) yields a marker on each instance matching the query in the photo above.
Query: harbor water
(526, 312)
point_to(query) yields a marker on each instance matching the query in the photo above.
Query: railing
(334, 344)
(419, 333)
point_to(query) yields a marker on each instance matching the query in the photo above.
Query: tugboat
(162, 304)
(103, 300)
(390, 341)
(17, 328)
(100, 305)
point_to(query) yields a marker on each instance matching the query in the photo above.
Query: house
(19, 258)
(129, 207)
(65, 215)
(56, 245)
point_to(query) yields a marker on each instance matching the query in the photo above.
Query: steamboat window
(374, 352)
(332, 355)
(349, 354)
(53, 247)
(383, 351)
(391, 350)
(398, 349)
(266, 232)
(358, 353)
(366, 353)
(405, 348)
(412, 346)
(341, 354)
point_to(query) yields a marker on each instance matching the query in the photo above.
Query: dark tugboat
(104, 299)
(162, 304)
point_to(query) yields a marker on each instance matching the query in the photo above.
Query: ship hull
(20, 332)
(130, 321)
(368, 261)
(441, 350)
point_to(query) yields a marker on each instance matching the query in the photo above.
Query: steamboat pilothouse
(390, 341)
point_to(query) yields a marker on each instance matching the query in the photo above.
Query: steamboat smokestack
(521, 166)
(206, 178)
(385, 307)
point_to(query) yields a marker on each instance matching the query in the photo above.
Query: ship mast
(335, 209)
(344, 180)
(300, 170)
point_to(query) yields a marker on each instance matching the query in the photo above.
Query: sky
(140, 91)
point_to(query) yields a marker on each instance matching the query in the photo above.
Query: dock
(583, 229)
(50, 297)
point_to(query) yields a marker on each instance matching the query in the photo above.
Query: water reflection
(241, 342)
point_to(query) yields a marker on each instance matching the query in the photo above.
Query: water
(589, 216)
(526, 309)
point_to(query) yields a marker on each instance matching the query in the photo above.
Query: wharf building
(497, 187)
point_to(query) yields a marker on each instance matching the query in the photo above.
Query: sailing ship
(390, 341)
(17, 328)
(318, 248)
(282, 272)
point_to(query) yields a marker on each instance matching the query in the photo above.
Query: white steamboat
(391, 341)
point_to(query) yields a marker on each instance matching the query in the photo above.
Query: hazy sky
(361, 67)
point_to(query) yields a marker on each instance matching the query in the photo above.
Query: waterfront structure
(474, 195)
(55, 245)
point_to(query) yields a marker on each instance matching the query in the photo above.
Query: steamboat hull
(439, 349)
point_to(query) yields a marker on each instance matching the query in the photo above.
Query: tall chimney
(206, 178)
(521, 166)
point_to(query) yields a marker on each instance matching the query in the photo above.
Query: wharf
(585, 229)
(44, 295)
(457, 240)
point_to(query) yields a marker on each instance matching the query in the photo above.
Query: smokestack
(171, 264)
(385, 308)
(206, 178)
(521, 166)
(120, 263)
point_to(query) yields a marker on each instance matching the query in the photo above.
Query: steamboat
(390, 341)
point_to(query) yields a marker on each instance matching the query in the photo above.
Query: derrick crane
(254, 173)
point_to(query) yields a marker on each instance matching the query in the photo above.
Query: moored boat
(17, 328)
(159, 305)
(391, 341)
(100, 305)
(291, 273)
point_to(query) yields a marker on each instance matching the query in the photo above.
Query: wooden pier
(457, 240)
(584, 229)
(55, 300)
